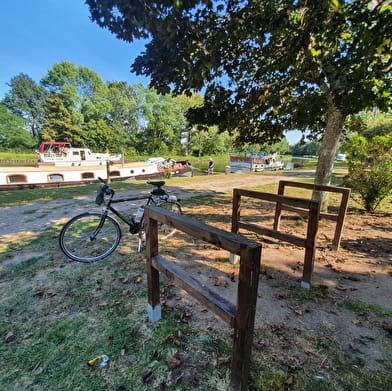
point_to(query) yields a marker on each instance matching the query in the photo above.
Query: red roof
(41, 148)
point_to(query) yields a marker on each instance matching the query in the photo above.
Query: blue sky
(36, 34)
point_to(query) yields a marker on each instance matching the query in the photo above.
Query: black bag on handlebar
(100, 198)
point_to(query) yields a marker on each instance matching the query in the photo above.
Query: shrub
(370, 169)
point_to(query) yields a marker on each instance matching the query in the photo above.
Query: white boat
(75, 167)
(255, 163)
(61, 153)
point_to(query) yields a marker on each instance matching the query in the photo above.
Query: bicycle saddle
(157, 183)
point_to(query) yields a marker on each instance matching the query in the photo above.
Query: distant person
(211, 166)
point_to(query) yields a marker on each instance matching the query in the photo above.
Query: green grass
(366, 308)
(63, 314)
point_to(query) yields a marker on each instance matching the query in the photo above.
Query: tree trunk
(329, 146)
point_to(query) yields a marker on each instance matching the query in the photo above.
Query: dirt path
(361, 272)
(38, 216)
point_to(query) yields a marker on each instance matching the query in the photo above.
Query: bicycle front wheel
(89, 237)
(164, 230)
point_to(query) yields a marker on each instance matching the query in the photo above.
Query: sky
(36, 34)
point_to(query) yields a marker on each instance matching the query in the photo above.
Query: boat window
(75, 153)
(16, 178)
(55, 178)
(143, 170)
(132, 172)
(87, 175)
(115, 173)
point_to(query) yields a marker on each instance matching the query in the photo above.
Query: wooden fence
(339, 217)
(240, 316)
(309, 243)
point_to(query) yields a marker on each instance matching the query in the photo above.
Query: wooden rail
(240, 316)
(309, 243)
(339, 217)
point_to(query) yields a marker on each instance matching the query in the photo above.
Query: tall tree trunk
(329, 146)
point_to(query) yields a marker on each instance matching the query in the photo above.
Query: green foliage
(13, 134)
(305, 58)
(311, 148)
(370, 168)
(58, 124)
(378, 124)
(265, 66)
(26, 99)
(209, 142)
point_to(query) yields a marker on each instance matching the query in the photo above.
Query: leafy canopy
(265, 66)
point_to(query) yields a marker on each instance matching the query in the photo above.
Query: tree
(370, 168)
(58, 122)
(83, 95)
(378, 125)
(13, 133)
(26, 99)
(311, 148)
(209, 142)
(266, 66)
(162, 121)
(124, 112)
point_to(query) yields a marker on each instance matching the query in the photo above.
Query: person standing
(211, 166)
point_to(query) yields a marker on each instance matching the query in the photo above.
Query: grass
(63, 314)
(366, 308)
(60, 314)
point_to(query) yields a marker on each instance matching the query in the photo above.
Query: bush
(370, 169)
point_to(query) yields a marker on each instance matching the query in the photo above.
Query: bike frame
(111, 201)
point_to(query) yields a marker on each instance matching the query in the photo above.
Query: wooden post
(235, 218)
(154, 302)
(107, 171)
(245, 317)
(241, 316)
(340, 220)
(310, 243)
(278, 207)
(236, 210)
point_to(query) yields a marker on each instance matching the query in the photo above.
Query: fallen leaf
(148, 377)
(155, 355)
(39, 293)
(217, 281)
(299, 312)
(356, 322)
(289, 381)
(173, 363)
(176, 377)
(138, 279)
(103, 304)
(9, 337)
(224, 360)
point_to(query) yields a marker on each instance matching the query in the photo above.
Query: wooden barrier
(339, 217)
(240, 316)
(309, 243)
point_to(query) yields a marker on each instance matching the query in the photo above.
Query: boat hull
(19, 178)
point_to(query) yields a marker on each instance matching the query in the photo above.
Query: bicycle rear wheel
(89, 237)
(164, 230)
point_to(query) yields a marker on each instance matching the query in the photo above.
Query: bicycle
(92, 236)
